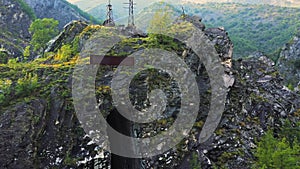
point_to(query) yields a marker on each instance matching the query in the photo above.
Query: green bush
(195, 164)
(27, 84)
(4, 89)
(13, 63)
(3, 57)
(290, 131)
(290, 87)
(275, 153)
(64, 53)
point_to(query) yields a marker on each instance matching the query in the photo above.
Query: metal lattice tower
(131, 13)
(109, 16)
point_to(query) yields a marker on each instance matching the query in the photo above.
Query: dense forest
(252, 28)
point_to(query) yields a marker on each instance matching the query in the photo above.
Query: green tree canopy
(276, 153)
(42, 31)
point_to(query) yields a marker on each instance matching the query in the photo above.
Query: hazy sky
(143, 3)
(88, 4)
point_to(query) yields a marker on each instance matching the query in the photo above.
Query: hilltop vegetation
(252, 28)
(286, 3)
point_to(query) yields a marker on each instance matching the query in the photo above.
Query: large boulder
(70, 31)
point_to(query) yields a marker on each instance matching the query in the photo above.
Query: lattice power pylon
(131, 13)
(109, 16)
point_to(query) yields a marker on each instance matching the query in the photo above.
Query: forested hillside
(60, 10)
(286, 3)
(252, 28)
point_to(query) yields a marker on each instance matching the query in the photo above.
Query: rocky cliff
(289, 63)
(57, 9)
(17, 15)
(14, 22)
(39, 127)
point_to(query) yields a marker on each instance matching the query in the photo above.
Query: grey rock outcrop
(289, 62)
(223, 44)
(14, 23)
(19, 126)
(196, 20)
(262, 57)
(70, 31)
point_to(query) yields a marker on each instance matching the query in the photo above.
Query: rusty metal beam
(111, 60)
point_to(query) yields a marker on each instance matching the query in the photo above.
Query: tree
(276, 153)
(290, 131)
(43, 30)
(160, 22)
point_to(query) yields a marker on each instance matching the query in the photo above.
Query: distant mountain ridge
(60, 10)
(97, 8)
(283, 3)
(87, 5)
(264, 28)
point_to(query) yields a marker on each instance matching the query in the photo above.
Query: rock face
(289, 62)
(19, 125)
(33, 135)
(196, 20)
(223, 44)
(70, 31)
(44, 132)
(16, 17)
(14, 23)
(257, 101)
(57, 9)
